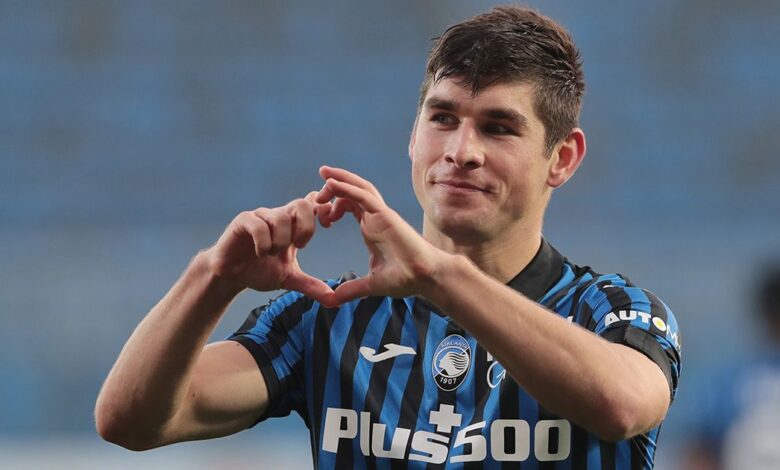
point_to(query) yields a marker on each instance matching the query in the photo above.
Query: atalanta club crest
(451, 362)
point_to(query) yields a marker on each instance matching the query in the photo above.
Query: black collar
(538, 277)
(541, 274)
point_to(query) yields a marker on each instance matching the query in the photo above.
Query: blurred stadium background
(132, 132)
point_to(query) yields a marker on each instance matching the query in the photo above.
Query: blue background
(132, 132)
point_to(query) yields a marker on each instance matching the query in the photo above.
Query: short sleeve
(635, 317)
(275, 335)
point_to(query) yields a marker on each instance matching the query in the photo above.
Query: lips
(460, 184)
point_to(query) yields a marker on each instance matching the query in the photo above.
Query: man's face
(479, 165)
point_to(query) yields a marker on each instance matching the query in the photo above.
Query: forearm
(569, 370)
(151, 376)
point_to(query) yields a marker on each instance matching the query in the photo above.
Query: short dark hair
(512, 43)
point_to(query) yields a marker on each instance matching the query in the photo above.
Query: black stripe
(377, 383)
(607, 455)
(575, 303)
(579, 448)
(251, 319)
(320, 356)
(618, 300)
(300, 305)
(544, 414)
(362, 315)
(415, 386)
(509, 403)
(481, 395)
(657, 309)
(637, 461)
(563, 291)
(448, 398)
(586, 317)
(559, 295)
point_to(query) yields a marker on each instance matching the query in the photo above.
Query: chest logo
(451, 362)
(391, 350)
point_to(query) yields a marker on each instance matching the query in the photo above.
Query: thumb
(350, 290)
(310, 286)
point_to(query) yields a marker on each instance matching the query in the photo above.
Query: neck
(501, 257)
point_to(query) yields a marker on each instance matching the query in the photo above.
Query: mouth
(459, 186)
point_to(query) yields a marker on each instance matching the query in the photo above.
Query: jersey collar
(541, 274)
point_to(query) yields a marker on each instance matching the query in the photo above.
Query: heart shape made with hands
(400, 259)
(330, 203)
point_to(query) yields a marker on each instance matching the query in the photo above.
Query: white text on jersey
(434, 447)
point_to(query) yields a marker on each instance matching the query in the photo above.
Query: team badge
(451, 362)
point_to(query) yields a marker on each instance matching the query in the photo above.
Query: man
(474, 343)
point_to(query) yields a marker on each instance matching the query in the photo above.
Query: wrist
(201, 267)
(447, 269)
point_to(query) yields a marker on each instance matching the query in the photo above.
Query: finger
(302, 212)
(280, 222)
(340, 174)
(258, 229)
(310, 286)
(340, 206)
(323, 214)
(351, 290)
(360, 197)
(324, 195)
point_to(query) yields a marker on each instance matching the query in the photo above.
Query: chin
(464, 228)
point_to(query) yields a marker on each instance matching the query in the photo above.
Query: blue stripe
(372, 339)
(396, 383)
(651, 442)
(566, 279)
(464, 402)
(436, 329)
(623, 454)
(594, 452)
(332, 392)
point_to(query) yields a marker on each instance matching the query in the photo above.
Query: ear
(566, 158)
(412, 139)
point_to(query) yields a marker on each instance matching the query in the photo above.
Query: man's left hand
(402, 262)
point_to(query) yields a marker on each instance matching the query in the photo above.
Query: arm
(166, 385)
(612, 390)
(609, 389)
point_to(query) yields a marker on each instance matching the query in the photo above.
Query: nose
(463, 147)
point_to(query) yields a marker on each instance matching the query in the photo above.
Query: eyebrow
(502, 114)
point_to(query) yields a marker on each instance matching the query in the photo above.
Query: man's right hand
(259, 249)
(166, 386)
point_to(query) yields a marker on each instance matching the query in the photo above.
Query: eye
(444, 119)
(498, 129)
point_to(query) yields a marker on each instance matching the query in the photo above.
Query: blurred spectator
(736, 421)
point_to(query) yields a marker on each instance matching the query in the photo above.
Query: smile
(458, 187)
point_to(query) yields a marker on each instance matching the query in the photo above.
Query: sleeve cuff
(645, 343)
(266, 369)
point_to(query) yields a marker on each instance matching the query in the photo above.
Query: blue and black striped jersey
(393, 383)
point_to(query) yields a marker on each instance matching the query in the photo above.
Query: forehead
(517, 96)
